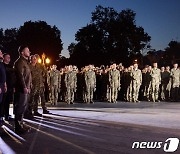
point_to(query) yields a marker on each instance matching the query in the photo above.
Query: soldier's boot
(133, 100)
(55, 101)
(156, 98)
(91, 101)
(45, 111)
(36, 113)
(20, 128)
(148, 99)
(72, 99)
(114, 101)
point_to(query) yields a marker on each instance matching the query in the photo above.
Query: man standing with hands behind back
(22, 88)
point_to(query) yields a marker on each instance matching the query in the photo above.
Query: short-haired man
(8, 96)
(22, 88)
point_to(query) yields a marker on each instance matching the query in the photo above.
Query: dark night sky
(159, 18)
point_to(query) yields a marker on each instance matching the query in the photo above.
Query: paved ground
(95, 128)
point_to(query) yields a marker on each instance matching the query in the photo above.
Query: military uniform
(54, 82)
(136, 83)
(71, 86)
(37, 93)
(90, 82)
(175, 78)
(114, 83)
(155, 82)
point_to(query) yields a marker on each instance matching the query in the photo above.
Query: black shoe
(26, 128)
(20, 131)
(1, 122)
(9, 118)
(37, 114)
(30, 117)
(46, 112)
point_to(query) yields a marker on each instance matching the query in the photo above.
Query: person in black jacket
(3, 87)
(22, 88)
(10, 78)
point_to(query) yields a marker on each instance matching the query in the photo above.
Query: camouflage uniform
(114, 83)
(37, 92)
(71, 85)
(90, 82)
(136, 83)
(155, 82)
(175, 78)
(54, 82)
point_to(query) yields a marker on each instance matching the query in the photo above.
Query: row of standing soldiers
(112, 83)
(65, 83)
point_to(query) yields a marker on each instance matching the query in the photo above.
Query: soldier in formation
(155, 82)
(130, 84)
(136, 82)
(90, 84)
(175, 80)
(114, 83)
(54, 83)
(70, 80)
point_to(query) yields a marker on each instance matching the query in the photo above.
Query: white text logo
(170, 145)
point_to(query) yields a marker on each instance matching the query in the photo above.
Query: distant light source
(47, 60)
(39, 61)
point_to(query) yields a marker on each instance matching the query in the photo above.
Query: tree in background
(111, 36)
(172, 52)
(41, 37)
(9, 43)
(38, 35)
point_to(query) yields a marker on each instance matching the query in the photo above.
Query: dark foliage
(38, 36)
(110, 37)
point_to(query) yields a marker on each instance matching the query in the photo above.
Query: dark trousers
(7, 99)
(1, 102)
(1, 106)
(175, 93)
(20, 104)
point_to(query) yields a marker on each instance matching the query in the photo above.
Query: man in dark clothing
(22, 88)
(8, 96)
(3, 87)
